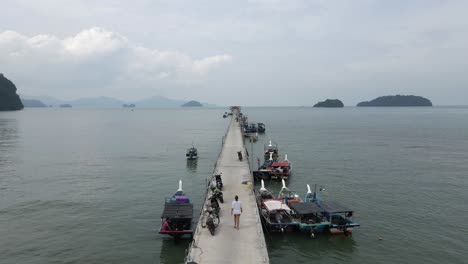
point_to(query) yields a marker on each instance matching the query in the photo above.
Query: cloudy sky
(248, 52)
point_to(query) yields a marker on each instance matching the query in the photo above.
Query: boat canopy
(275, 205)
(280, 164)
(306, 208)
(177, 210)
(334, 207)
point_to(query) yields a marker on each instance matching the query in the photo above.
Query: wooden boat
(310, 217)
(270, 149)
(281, 169)
(336, 216)
(288, 195)
(177, 217)
(192, 153)
(250, 127)
(275, 214)
(261, 128)
(272, 169)
(339, 216)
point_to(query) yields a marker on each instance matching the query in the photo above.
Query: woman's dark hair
(236, 197)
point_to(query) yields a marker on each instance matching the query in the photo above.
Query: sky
(239, 52)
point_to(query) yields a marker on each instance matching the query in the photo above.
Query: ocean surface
(88, 185)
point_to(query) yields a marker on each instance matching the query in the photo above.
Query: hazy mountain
(158, 101)
(48, 100)
(32, 103)
(97, 102)
(109, 102)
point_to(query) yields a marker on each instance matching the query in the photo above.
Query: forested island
(9, 99)
(330, 103)
(192, 104)
(398, 100)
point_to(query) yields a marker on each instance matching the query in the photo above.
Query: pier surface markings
(229, 245)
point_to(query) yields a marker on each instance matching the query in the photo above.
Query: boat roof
(280, 164)
(275, 205)
(270, 147)
(334, 207)
(306, 208)
(178, 210)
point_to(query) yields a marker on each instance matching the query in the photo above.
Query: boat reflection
(192, 165)
(9, 136)
(308, 249)
(173, 250)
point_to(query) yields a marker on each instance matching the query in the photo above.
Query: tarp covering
(280, 164)
(334, 207)
(306, 208)
(271, 205)
(177, 210)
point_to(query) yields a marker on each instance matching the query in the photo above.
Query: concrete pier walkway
(229, 245)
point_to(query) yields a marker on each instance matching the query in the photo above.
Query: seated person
(166, 226)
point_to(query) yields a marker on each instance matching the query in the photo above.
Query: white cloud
(95, 59)
(94, 41)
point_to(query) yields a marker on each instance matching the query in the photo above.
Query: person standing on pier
(236, 209)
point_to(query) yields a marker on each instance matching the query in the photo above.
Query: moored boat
(310, 217)
(288, 195)
(272, 169)
(275, 213)
(192, 153)
(250, 127)
(281, 169)
(270, 149)
(261, 128)
(339, 216)
(177, 215)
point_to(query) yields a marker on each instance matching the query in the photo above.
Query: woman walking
(236, 209)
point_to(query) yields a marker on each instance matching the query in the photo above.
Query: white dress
(236, 207)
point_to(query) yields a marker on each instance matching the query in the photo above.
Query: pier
(229, 245)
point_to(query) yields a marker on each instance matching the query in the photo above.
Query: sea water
(88, 185)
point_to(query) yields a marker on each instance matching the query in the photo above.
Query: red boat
(177, 215)
(281, 169)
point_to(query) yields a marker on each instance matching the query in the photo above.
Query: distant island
(398, 100)
(109, 102)
(9, 99)
(66, 105)
(330, 103)
(32, 103)
(128, 105)
(192, 104)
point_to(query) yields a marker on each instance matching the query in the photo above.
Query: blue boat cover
(306, 208)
